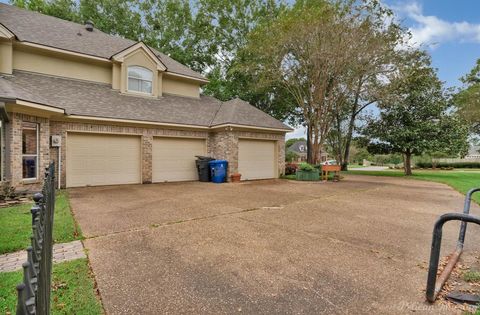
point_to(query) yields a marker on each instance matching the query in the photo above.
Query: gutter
(3, 110)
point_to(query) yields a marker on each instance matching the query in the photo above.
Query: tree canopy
(415, 115)
(468, 98)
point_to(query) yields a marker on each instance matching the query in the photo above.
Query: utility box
(56, 141)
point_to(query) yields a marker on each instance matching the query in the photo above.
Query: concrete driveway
(359, 246)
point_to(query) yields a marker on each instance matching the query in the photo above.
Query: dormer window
(140, 80)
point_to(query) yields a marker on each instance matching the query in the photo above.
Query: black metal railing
(434, 284)
(34, 291)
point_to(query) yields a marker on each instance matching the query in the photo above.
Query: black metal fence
(434, 284)
(34, 291)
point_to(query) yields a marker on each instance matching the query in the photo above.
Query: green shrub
(471, 276)
(291, 156)
(305, 167)
(445, 165)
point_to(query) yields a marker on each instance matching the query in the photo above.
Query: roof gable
(298, 147)
(120, 56)
(239, 112)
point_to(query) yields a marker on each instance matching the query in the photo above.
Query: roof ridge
(216, 112)
(59, 19)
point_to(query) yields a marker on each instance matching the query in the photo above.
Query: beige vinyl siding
(256, 159)
(61, 65)
(96, 159)
(174, 158)
(177, 86)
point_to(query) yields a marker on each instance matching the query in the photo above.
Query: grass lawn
(73, 290)
(461, 180)
(15, 225)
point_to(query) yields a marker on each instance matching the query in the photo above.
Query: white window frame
(141, 80)
(37, 138)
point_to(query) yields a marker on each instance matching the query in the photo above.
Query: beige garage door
(94, 159)
(174, 159)
(256, 159)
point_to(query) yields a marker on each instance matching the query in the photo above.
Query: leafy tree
(64, 9)
(116, 17)
(468, 98)
(415, 116)
(374, 58)
(359, 153)
(306, 50)
(291, 156)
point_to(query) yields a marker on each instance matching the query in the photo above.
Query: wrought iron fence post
(34, 292)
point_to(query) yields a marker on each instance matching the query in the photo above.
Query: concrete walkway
(61, 252)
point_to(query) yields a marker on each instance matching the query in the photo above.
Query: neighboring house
(473, 152)
(113, 111)
(300, 148)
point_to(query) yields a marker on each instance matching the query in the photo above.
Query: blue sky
(449, 30)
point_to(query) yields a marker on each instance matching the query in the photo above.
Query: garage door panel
(94, 159)
(256, 159)
(174, 158)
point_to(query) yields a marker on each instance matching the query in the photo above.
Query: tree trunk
(348, 142)
(407, 164)
(309, 145)
(351, 125)
(339, 149)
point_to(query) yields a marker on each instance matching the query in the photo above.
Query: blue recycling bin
(218, 170)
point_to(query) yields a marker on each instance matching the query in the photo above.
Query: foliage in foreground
(73, 290)
(15, 225)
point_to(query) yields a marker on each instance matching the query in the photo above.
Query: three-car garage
(110, 159)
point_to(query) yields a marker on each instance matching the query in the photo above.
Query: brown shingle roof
(50, 31)
(99, 100)
(239, 112)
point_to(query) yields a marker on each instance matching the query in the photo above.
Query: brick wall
(222, 144)
(13, 140)
(147, 134)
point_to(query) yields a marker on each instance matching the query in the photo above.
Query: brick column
(223, 145)
(281, 156)
(147, 143)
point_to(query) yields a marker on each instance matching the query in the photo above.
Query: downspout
(3, 111)
(4, 119)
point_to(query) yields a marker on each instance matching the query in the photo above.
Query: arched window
(140, 79)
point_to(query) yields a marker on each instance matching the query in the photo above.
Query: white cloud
(299, 132)
(432, 31)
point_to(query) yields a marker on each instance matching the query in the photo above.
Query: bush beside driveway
(357, 246)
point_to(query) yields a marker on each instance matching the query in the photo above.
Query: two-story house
(109, 110)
